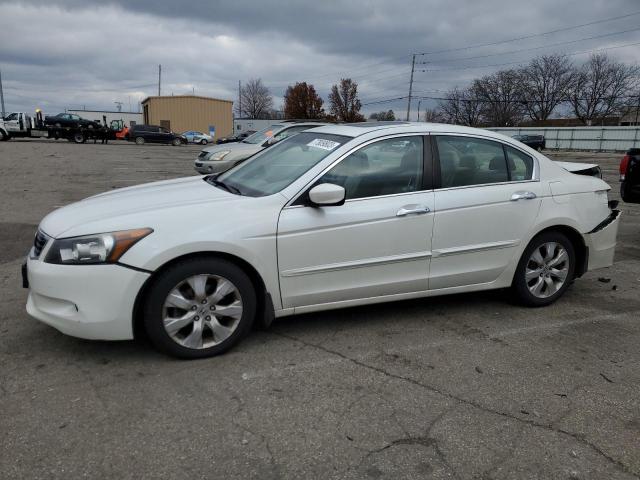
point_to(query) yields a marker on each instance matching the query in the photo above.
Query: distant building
(242, 125)
(630, 116)
(129, 118)
(181, 113)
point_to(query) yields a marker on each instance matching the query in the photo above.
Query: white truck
(22, 125)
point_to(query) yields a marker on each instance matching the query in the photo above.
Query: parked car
(70, 120)
(218, 159)
(630, 176)
(194, 136)
(537, 142)
(328, 218)
(154, 134)
(229, 139)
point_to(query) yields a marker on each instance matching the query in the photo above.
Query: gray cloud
(65, 54)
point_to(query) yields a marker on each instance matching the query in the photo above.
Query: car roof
(384, 128)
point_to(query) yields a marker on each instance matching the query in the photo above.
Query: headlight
(93, 249)
(219, 155)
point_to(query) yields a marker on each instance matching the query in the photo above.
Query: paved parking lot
(465, 386)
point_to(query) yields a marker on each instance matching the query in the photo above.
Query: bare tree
(383, 116)
(256, 100)
(434, 115)
(545, 84)
(461, 107)
(344, 103)
(500, 96)
(601, 87)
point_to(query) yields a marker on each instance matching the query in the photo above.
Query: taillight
(624, 164)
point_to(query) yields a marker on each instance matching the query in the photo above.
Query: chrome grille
(39, 242)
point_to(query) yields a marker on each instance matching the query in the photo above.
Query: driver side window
(386, 167)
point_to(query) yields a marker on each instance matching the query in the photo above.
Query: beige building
(181, 113)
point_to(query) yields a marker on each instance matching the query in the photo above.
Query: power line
(523, 61)
(535, 48)
(573, 27)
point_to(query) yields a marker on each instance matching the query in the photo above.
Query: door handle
(413, 209)
(522, 196)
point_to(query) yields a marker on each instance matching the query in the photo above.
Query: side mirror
(327, 195)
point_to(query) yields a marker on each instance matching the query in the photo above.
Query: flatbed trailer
(21, 125)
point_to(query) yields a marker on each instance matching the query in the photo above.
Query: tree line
(593, 91)
(598, 89)
(301, 101)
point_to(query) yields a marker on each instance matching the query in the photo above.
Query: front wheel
(78, 137)
(199, 308)
(176, 142)
(139, 141)
(545, 270)
(203, 141)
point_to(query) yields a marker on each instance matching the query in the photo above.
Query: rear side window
(520, 164)
(470, 161)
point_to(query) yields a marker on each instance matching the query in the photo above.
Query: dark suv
(154, 134)
(537, 142)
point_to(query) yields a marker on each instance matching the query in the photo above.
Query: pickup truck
(630, 176)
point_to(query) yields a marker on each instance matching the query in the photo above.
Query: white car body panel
(319, 258)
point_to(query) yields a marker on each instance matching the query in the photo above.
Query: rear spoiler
(589, 169)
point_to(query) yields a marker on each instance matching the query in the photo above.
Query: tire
(3, 136)
(78, 137)
(549, 275)
(199, 333)
(203, 141)
(139, 141)
(176, 142)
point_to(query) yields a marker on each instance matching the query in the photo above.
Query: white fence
(598, 139)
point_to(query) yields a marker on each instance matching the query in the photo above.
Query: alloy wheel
(202, 311)
(547, 269)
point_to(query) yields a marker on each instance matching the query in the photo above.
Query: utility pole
(413, 66)
(1, 95)
(419, 102)
(159, 77)
(239, 99)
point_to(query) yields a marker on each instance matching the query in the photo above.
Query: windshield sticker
(323, 144)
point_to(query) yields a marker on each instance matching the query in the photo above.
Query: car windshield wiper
(218, 183)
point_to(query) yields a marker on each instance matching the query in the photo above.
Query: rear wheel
(203, 141)
(139, 141)
(199, 308)
(545, 270)
(78, 137)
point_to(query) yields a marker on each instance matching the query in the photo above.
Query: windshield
(263, 134)
(280, 165)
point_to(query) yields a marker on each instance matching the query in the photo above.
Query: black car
(154, 134)
(630, 176)
(537, 142)
(70, 120)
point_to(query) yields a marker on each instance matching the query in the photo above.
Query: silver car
(219, 158)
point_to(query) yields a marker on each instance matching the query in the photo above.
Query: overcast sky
(58, 54)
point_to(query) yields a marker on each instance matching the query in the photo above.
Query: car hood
(126, 207)
(234, 147)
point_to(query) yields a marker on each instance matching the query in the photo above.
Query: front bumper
(87, 301)
(601, 242)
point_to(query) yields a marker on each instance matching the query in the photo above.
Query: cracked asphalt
(465, 386)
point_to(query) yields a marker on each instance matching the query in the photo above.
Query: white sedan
(336, 216)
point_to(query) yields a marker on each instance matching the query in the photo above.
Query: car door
(487, 198)
(377, 243)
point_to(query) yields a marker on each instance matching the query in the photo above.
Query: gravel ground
(465, 386)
